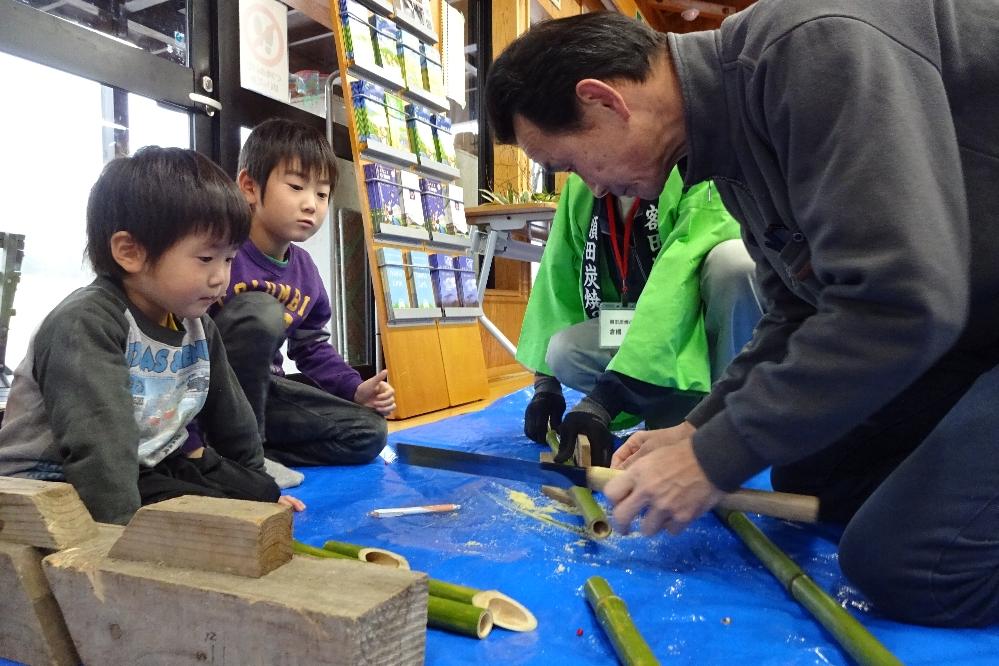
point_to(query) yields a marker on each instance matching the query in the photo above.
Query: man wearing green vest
(637, 304)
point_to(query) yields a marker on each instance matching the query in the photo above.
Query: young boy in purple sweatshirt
(286, 173)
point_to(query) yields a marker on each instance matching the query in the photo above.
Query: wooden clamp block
(45, 514)
(307, 611)
(583, 458)
(209, 534)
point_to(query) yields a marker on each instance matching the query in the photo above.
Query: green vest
(666, 344)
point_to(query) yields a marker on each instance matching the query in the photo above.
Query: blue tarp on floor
(700, 598)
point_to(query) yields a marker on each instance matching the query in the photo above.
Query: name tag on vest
(615, 319)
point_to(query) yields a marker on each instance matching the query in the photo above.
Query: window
(45, 190)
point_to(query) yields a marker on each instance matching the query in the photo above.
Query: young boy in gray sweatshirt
(117, 371)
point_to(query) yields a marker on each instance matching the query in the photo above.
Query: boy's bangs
(219, 210)
(315, 160)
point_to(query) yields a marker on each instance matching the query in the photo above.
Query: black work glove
(591, 419)
(545, 409)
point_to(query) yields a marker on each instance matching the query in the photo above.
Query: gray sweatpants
(731, 311)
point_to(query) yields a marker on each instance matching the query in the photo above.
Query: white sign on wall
(263, 48)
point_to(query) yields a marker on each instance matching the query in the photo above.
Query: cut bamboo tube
(459, 617)
(385, 558)
(846, 629)
(596, 521)
(506, 611)
(612, 613)
(594, 518)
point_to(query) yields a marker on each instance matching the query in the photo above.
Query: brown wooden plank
(45, 514)
(490, 210)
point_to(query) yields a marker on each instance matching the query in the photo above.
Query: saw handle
(800, 508)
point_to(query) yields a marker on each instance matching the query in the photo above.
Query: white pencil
(413, 510)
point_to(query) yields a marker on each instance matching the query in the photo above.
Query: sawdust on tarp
(525, 504)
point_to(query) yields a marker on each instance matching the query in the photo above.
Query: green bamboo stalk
(306, 549)
(368, 554)
(348, 549)
(458, 617)
(612, 613)
(846, 629)
(507, 612)
(453, 591)
(594, 517)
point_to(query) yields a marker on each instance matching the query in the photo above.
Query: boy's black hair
(278, 141)
(536, 75)
(159, 196)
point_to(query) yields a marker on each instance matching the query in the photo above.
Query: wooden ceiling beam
(706, 9)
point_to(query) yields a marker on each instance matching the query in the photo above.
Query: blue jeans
(300, 424)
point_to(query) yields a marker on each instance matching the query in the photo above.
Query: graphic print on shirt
(169, 387)
(296, 304)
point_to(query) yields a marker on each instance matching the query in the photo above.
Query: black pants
(208, 476)
(299, 423)
(918, 488)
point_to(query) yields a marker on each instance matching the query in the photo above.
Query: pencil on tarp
(413, 510)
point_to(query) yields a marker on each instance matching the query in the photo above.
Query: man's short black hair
(536, 75)
(280, 141)
(160, 196)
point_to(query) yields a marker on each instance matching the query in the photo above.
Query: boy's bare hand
(377, 394)
(294, 503)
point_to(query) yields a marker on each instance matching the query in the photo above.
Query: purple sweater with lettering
(297, 285)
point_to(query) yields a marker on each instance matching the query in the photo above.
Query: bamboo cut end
(385, 558)
(507, 613)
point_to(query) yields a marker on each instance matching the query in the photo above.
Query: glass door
(92, 81)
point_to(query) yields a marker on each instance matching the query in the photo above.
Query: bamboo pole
(612, 613)
(507, 612)
(306, 549)
(846, 629)
(594, 518)
(380, 556)
(458, 617)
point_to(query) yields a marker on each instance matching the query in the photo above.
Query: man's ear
(594, 92)
(249, 187)
(128, 252)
